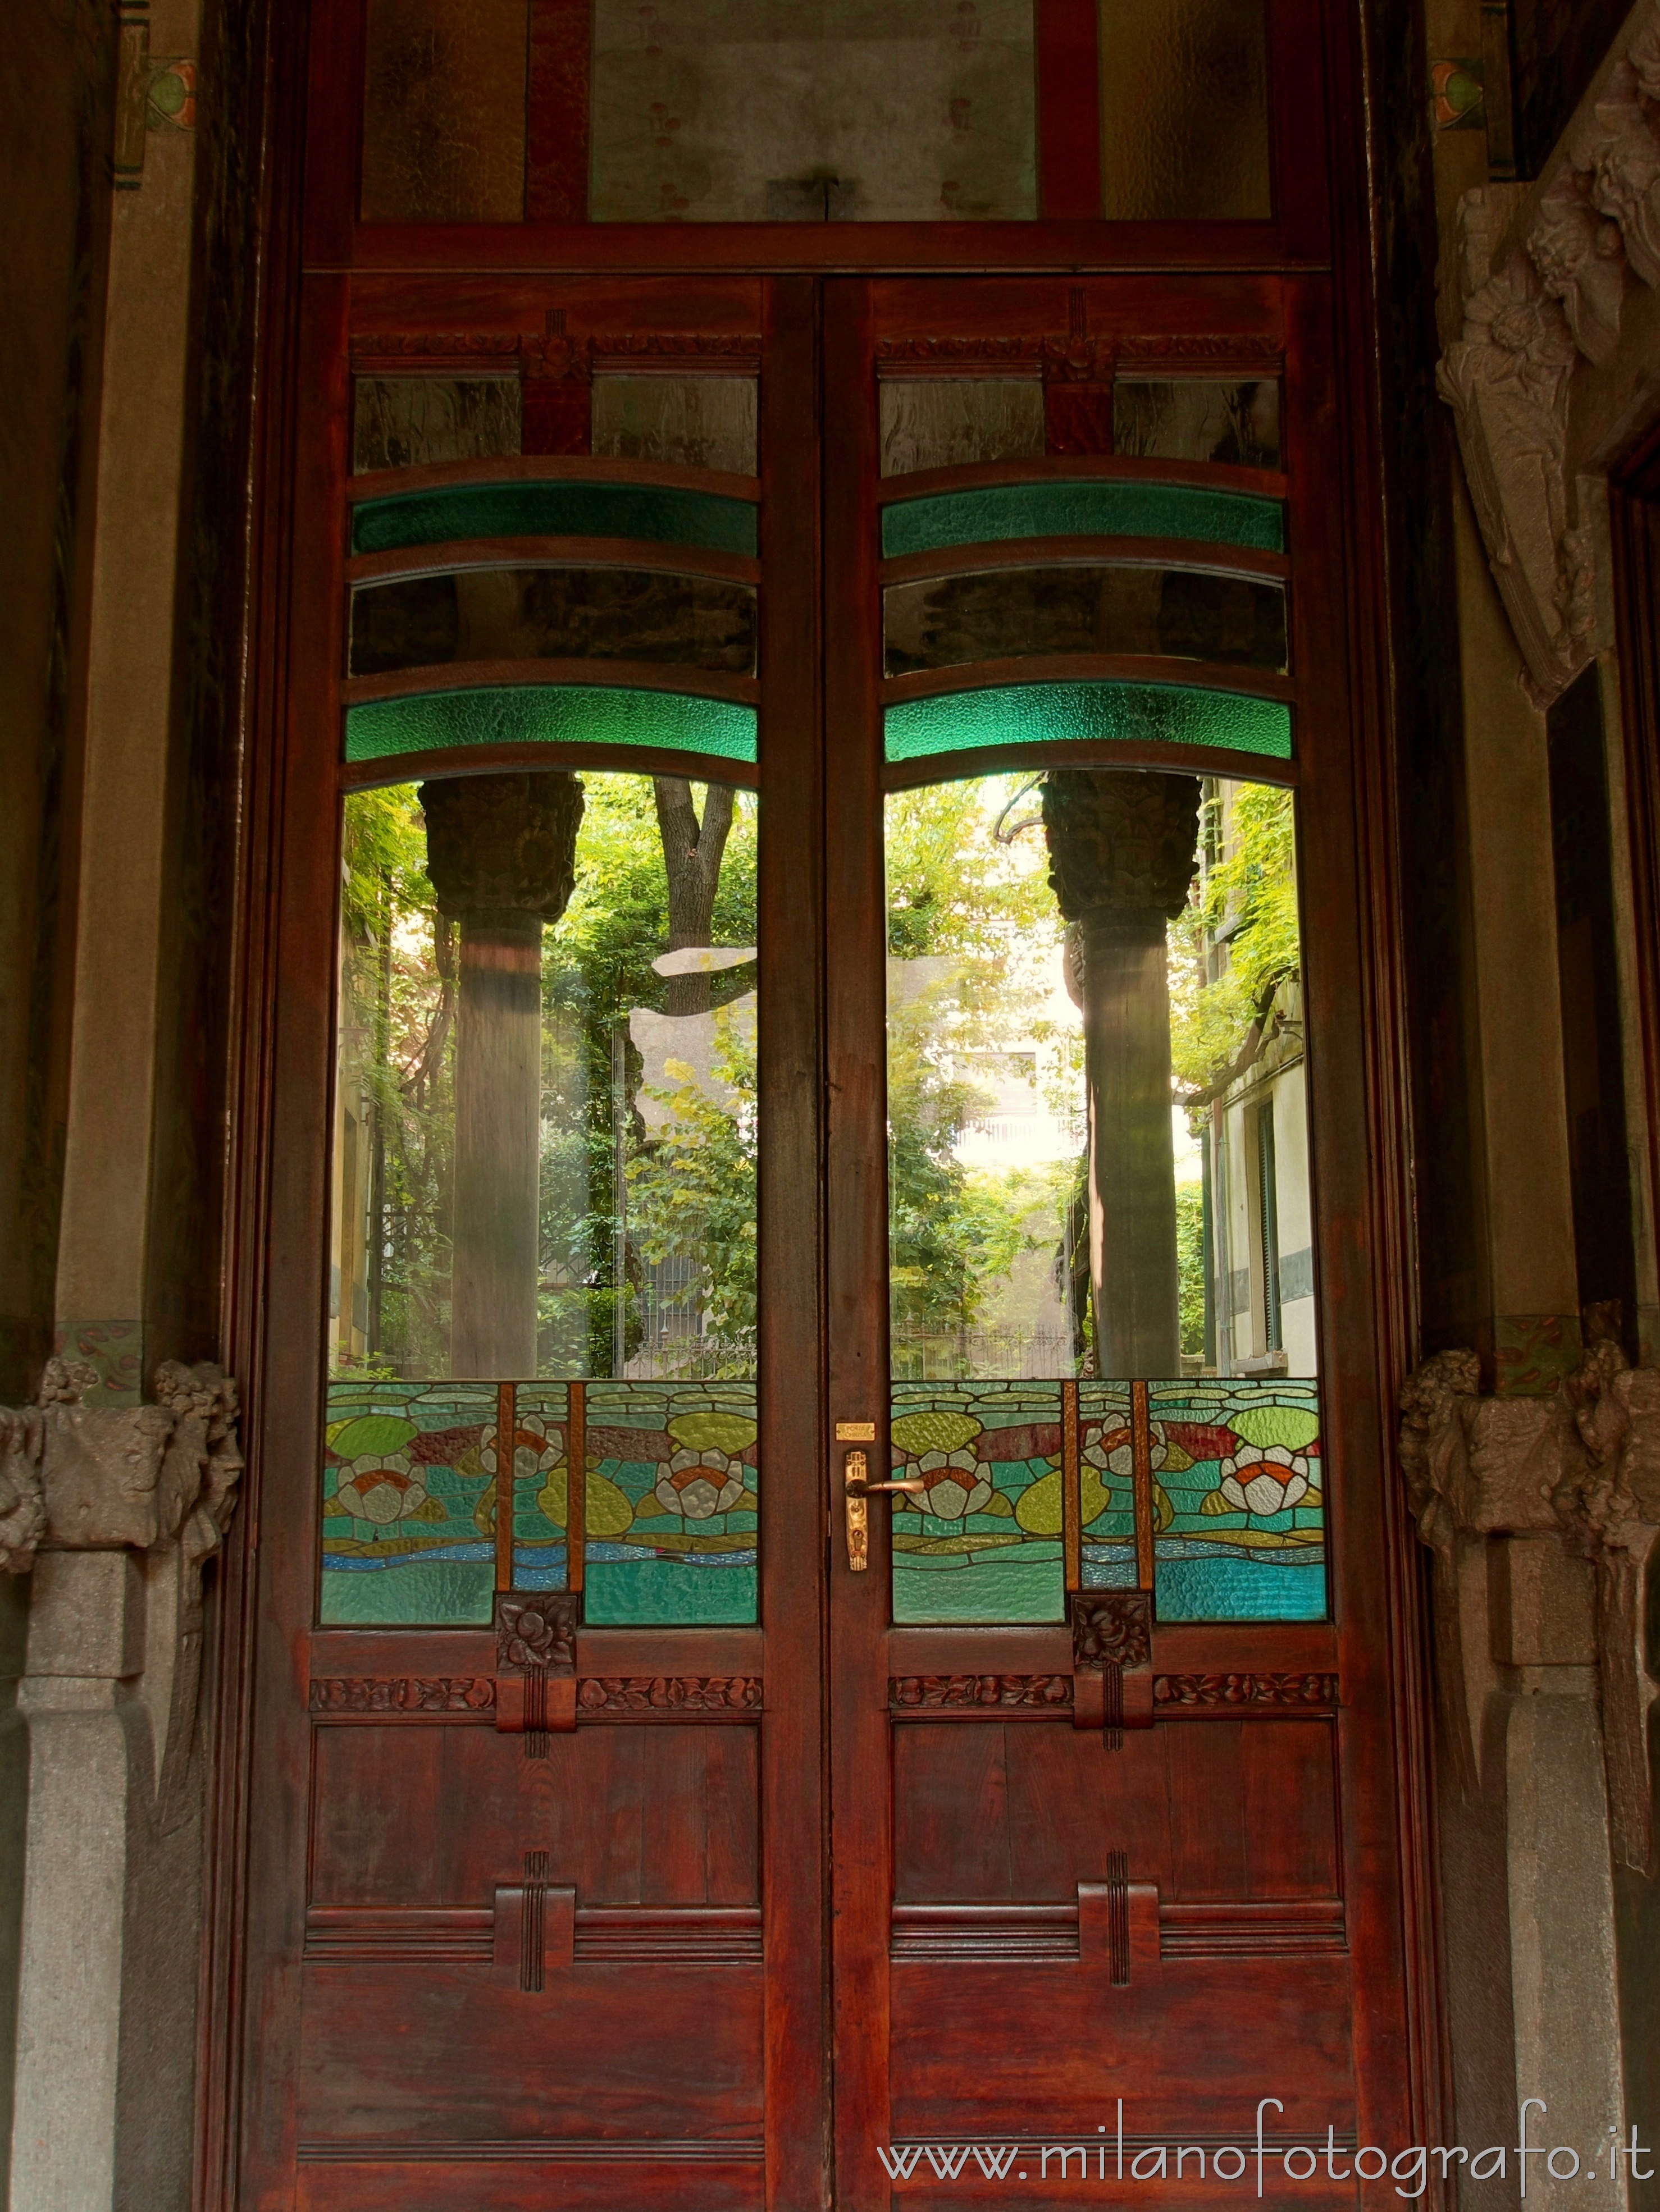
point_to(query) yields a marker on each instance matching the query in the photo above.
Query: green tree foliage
(1236, 941)
(1190, 1265)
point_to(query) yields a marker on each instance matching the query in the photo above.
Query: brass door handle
(857, 1488)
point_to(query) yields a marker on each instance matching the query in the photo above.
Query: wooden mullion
(1068, 108)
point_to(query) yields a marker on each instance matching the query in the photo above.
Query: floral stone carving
(22, 1506)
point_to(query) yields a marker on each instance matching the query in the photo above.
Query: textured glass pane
(673, 1504)
(1199, 419)
(407, 422)
(1240, 1491)
(407, 1525)
(1038, 714)
(747, 111)
(551, 714)
(1097, 1159)
(946, 621)
(663, 514)
(1106, 1485)
(541, 1486)
(698, 422)
(546, 1113)
(982, 1542)
(531, 614)
(1072, 510)
(1184, 109)
(947, 421)
(443, 111)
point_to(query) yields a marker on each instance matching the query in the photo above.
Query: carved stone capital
(1120, 842)
(22, 1506)
(502, 848)
(1583, 1466)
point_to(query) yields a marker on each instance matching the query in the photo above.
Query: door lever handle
(858, 1486)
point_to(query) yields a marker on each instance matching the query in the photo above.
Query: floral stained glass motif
(1106, 1485)
(672, 1506)
(409, 1504)
(1239, 1499)
(983, 1541)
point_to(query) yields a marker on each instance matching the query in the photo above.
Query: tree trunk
(692, 852)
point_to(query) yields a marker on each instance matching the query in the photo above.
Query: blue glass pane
(551, 714)
(1117, 712)
(408, 1504)
(982, 1542)
(992, 512)
(672, 1511)
(663, 514)
(1239, 1499)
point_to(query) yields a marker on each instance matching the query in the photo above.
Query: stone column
(1122, 850)
(502, 854)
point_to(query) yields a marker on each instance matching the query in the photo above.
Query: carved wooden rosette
(536, 1667)
(1112, 1662)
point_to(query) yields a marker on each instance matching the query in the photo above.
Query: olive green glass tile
(1198, 418)
(951, 422)
(1119, 713)
(551, 714)
(412, 421)
(994, 614)
(697, 421)
(553, 614)
(408, 1500)
(992, 512)
(443, 111)
(1185, 109)
(663, 514)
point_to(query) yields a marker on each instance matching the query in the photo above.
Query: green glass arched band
(993, 512)
(551, 714)
(1044, 714)
(665, 514)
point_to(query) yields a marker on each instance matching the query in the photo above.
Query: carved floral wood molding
(75, 1477)
(1582, 1464)
(1542, 277)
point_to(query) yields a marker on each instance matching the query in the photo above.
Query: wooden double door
(860, 1888)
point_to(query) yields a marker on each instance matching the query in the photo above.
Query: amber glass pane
(947, 421)
(1198, 419)
(751, 111)
(1184, 109)
(552, 614)
(405, 422)
(443, 111)
(946, 621)
(695, 422)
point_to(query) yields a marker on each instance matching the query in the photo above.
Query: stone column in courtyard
(1122, 850)
(501, 854)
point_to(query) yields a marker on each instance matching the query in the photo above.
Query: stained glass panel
(1239, 1491)
(553, 613)
(551, 714)
(1114, 508)
(947, 622)
(1116, 713)
(1106, 1472)
(982, 1543)
(673, 1504)
(409, 1503)
(541, 1486)
(663, 514)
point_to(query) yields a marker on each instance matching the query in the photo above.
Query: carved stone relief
(1540, 276)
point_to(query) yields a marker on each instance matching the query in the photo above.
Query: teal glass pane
(1106, 1485)
(991, 512)
(540, 1486)
(1239, 1498)
(982, 1542)
(673, 1514)
(409, 1504)
(663, 514)
(551, 714)
(1119, 713)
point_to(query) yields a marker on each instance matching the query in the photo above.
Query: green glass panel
(1089, 509)
(1039, 714)
(1239, 1498)
(1106, 1485)
(551, 714)
(408, 1504)
(540, 1486)
(672, 1508)
(664, 514)
(982, 1542)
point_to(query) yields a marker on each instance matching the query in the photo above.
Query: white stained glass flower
(1115, 1449)
(382, 1493)
(1265, 1482)
(700, 1484)
(956, 1485)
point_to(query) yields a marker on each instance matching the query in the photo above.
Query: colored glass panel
(541, 1486)
(551, 714)
(1106, 1485)
(991, 512)
(1239, 1498)
(409, 1504)
(994, 614)
(665, 514)
(982, 1542)
(552, 614)
(1117, 713)
(672, 1505)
